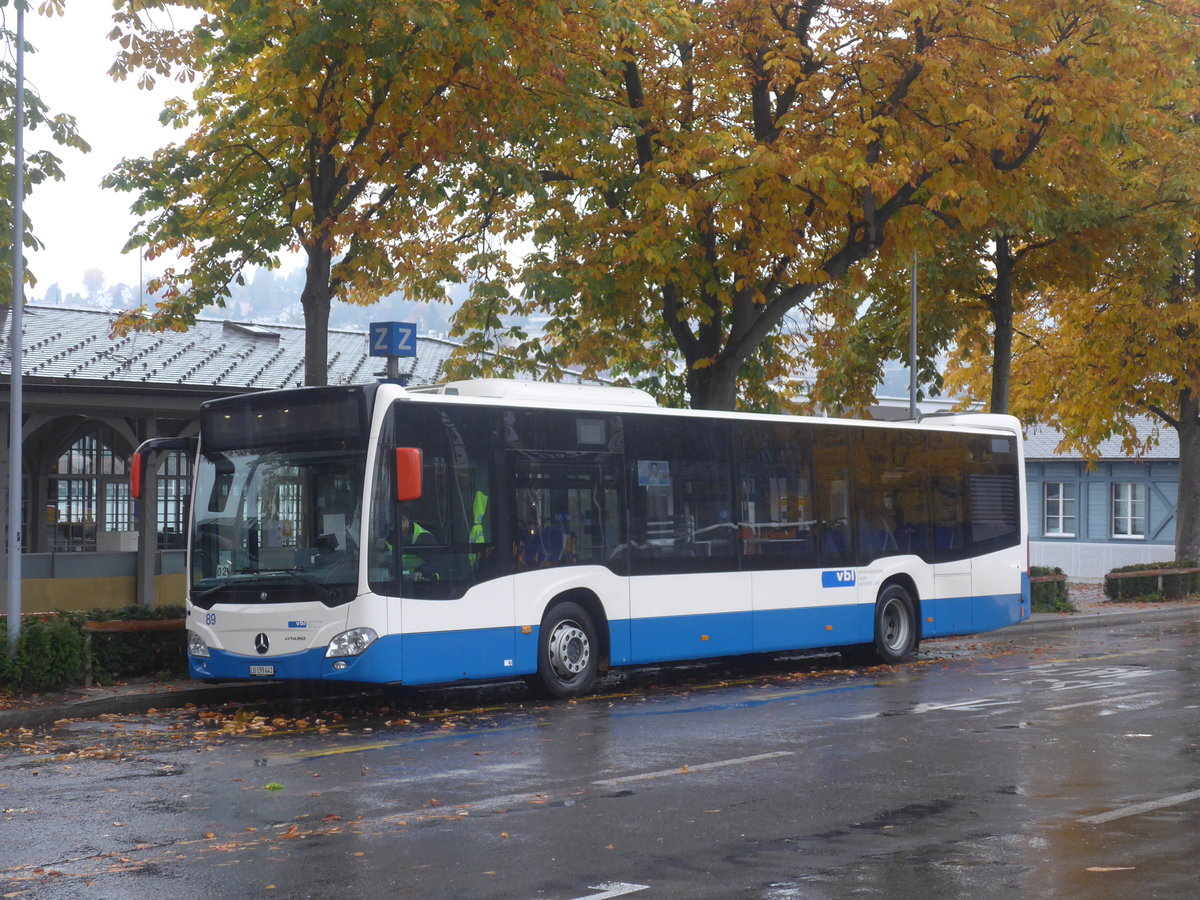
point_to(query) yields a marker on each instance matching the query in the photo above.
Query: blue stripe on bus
(493, 653)
(804, 629)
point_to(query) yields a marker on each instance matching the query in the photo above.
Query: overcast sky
(82, 225)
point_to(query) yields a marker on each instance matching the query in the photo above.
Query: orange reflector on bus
(526, 629)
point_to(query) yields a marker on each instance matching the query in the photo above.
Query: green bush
(1050, 596)
(49, 653)
(117, 656)
(1174, 587)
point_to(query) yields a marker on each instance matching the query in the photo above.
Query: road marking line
(701, 767)
(1139, 808)
(1103, 700)
(617, 889)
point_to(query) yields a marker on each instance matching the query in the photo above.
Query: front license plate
(262, 670)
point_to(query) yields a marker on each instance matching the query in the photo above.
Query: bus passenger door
(438, 552)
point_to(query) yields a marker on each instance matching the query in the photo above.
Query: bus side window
(777, 525)
(946, 461)
(432, 547)
(682, 509)
(831, 468)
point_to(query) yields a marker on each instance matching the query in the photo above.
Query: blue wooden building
(1118, 510)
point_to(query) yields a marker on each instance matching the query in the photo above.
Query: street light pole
(16, 410)
(912, 345)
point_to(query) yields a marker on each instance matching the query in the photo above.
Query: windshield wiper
(304, 578)
(200, 595)
(249, 576)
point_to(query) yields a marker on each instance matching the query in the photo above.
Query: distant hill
(274, 298)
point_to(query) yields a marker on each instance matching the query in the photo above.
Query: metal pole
(16, 410)
(912, 345)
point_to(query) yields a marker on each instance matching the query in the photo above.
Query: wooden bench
(121, 626)
(1037, 579)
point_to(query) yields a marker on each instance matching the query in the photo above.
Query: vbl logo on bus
(838, 578)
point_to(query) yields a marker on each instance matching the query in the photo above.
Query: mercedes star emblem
(261, 643)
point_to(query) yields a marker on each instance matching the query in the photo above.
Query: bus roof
(613, 398)
(516, 391)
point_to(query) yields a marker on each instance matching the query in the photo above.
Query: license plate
(262, 670)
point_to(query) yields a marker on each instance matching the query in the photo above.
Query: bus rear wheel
(895, 638)
(567, 652)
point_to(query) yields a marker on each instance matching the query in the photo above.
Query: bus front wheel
(895, 625)
(567, 652)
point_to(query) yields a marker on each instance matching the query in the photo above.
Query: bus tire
(895, 625)
(568, 652)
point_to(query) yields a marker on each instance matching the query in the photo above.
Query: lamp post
(16, 410)
(912, 344)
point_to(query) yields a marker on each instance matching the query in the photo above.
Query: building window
(87, 491)
(1058, 508)
(1128, 510)
(174, 481)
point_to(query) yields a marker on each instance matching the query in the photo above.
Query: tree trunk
(1001, 304)
(713, 387)
(315, 299)
(1187, 509)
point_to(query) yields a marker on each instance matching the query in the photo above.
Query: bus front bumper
(378, 664)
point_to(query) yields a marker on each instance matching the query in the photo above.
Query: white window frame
(1068, 497)
(1127, 509)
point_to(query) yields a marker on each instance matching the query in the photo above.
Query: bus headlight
(196, 645)
(351, 643)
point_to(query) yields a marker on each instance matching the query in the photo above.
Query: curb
(135, 701)
(1040, 623)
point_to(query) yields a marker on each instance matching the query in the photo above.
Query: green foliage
(323, 128)
(1050, 596)
(49, 653)
(41, 164)
(157, 653)
(1174, 587)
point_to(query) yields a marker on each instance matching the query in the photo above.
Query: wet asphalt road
(1064, 765)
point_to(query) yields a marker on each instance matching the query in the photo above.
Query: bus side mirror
(139, 464)
(408, 473)
(135, 474)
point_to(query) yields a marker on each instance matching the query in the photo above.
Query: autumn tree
(743, 157)
(1096, 356)
(1093, 362)
(41, 164)
(1106, 83)
(317, 128)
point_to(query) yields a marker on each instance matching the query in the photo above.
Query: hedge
(1050, 596)
(50, 650)
(1174, 587)
(117, 656)
(49, 653)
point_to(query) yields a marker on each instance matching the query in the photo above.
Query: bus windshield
(283, 521)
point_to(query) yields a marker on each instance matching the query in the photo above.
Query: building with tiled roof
(63, 344)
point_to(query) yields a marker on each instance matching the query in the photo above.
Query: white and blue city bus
(490, 529)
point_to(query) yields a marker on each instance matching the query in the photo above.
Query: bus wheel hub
(569, 649)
